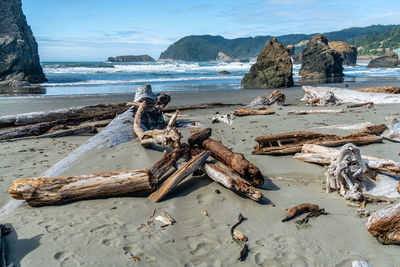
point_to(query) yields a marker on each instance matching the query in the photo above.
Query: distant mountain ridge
(371, 40)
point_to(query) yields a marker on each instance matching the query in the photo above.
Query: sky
(92, 30)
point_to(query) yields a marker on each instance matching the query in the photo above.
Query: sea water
(74, 78)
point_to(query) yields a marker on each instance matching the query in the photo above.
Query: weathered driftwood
(73, 131)
(329, 99)
(239, 236)
(197, 137)
(347, 173)
(243, 253)
(393, 133)
(200, 106)
(168, 161)
(300, 209)
(226, 118)
(55, 190)
(386, 89)
(360, 263)
(323, 155)
(187, 169)
(274, 97)
(103, 111)
(236, 161)
(384, 224)
(249, 112)
(291, 143)
(167, 137)
(364, 105)
(241, 218)
(225, 176)
(315, 111)
(351, 96)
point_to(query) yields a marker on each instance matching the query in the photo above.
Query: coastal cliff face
(19, 58)
(130, 58)
(320, 63)
(273, 68)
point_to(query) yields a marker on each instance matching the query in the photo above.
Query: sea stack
(348, 52)
(320, 63)
(19, 58)
(390, 60)
(273, 68)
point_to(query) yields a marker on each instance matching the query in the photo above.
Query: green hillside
(372, 40)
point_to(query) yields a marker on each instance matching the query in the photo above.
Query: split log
(104, 111)
(316, 111)
(352, 96)
(236, 161)
(393, 133)
(167, 137)
(300, 209)
(292, 142)
(323, 155)
(384, 224)
(364, 105)
(386, 89)
(249, 112)
(187, 169)
(225, 176)
(168, 161)
(55, 190)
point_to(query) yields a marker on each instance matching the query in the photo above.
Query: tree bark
(236, 161)
(187, 169)
(250, 112)
(104, 111)
(55, 190)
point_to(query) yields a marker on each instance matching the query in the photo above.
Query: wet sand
(108, 232)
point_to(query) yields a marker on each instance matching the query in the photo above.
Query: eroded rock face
(390, 60)
(320, 63)
(19, 58)
(348, 52)
(384, 224)
(273, 68)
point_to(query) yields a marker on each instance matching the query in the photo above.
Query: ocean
(86, 78)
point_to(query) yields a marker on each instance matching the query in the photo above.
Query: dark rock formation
(320, 63)
(348, 52)
(390, 60)
(130, 58)
(224, 72)
(19, 58)
(273, 68)
(297, 58)
(222, 57)
(291, 49)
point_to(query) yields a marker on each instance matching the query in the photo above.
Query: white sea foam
(157, 67)
(103, 82)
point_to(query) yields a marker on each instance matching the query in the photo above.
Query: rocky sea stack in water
(348, 52)
(19, 58)
(320, 63)
(390, 60)
(131, 58)
(273, 68)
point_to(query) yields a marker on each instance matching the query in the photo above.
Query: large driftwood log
(384, 224)
(103, 111)
(315, 111)
(187, 169)
(55, 190)
(250, 112)
(200, 106)
(387, 90)
(351, 96)
(323, 155)
(291, 143)
(168, 161)
(236, 161)
(225, 176)
(393, 133)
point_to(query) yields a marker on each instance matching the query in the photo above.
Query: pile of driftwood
(290, 143)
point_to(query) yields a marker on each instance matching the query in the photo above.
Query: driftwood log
(274, 97)
(393, 133)
(187, 169)
(236, 161)
(363, 105)
(291, 143)
(250, 112)
(323, 156)
(315, 111)
(200, 106)
(102, 111)
(386, 89)
(300, 209)
(384, 224)
(56, 190)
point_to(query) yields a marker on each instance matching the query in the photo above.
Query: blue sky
(92, 30)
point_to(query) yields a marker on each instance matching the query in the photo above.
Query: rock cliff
(390, 60)
(348, 52)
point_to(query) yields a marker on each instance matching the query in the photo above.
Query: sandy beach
(108, 232)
